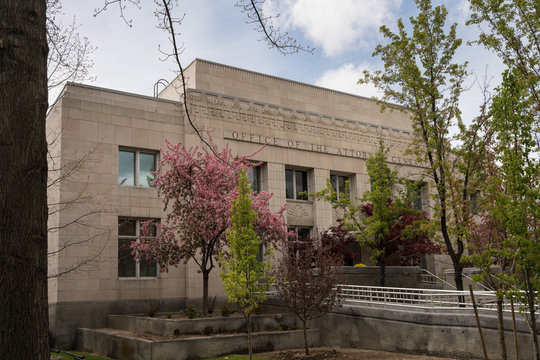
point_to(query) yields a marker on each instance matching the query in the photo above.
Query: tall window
(135, 167)
(129, 231)
(296, 184)
(338, 184)
(254, 176)
(418, 199)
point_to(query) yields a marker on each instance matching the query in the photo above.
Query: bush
(153, 306)
(225, 311)
(191, 311)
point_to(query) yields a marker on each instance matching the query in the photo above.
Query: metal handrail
(438, 278)
(476, 282)
(416, 298)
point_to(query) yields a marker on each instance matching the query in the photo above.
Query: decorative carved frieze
(299, 210)
(295, 121)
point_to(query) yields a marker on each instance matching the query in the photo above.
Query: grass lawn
(86, 356)
(236, 357)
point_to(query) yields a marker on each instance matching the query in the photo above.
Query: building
(105, 143)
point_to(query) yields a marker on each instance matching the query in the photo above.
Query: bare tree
(264, 23)
(307, 274)
(68, 58)
(85, 205)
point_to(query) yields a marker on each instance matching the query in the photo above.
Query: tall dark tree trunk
(250, 346)
(205, 292)
(531, 297)
(306, 345)
(23, 180)
(500, 323)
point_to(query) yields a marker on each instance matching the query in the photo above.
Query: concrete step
(140, 324)
(122, 344)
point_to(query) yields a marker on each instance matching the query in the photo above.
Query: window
(254, 176)
(128, 231)
(135, 167)
(418, 197)
(475, 201)
(296, 184)
(301, 232)
(338, 184)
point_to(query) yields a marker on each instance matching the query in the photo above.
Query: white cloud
(334, 25)
(346, 79)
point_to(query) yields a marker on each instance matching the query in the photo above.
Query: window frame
(137, 165)
(419, 197)
(132, 238)
(337, 189)
(255, 173)
(294, 180)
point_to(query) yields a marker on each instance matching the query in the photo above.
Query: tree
(381, 223)
(339, 241)
(68, 58)
(489, 247)
(513, 34)
(23, 188)
(23, 198)
(197, 186)
(307, 275)
(245, 278)
(517, 126)
(386, 207)
(420, 75)
(408, 237)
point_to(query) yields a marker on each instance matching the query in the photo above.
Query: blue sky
(343, 33)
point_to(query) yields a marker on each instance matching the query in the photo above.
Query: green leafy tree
(517, 207)
(511, 28)
(390, 198)
(420, 75)
(388, 201)
(244, 277)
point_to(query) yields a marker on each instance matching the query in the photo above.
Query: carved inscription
(299, 145)
(296, 121)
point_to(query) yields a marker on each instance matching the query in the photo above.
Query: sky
(343, 33)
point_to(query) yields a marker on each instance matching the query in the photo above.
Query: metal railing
(430, 278)
(416, 298)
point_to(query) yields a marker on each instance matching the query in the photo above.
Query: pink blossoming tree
(197, 186)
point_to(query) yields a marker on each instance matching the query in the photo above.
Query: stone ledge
(117, 346)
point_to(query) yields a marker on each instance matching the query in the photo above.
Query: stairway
(139, 337)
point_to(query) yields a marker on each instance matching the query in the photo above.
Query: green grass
(86, 356)
(236, 357)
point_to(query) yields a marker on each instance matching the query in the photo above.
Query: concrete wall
(126, 347)
(443, 333)
(66, 317)
(241, 83)
(395, 276)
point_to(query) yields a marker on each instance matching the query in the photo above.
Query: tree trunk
(23, 184)
(250, 351)
(306, 345)
(534, 332)
(205, 293)
(500, 323)
(458, 278)
(531, 295)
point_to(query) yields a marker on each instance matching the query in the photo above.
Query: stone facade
(303, 128)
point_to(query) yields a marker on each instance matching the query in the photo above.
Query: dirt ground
(325, 353)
